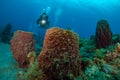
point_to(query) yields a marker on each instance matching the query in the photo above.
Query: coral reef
(6, 34)
(96, 64)
(99, 64)
(103, 34)
(59, 58)
(32, 73)
(21, 44)
(66, 57)
(115, 38)
(113, 53)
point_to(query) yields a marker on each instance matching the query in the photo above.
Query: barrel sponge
(59, 58)
(21, 44)
(103, 34)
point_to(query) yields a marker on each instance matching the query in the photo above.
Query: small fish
(43, 21)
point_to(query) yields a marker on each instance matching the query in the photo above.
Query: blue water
(80, 15)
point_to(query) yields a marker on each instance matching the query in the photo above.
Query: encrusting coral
(59, 58)
(103, 34)
(117, 49)
(31, 57)
(110, 55)
(21, 44)
(32, 73)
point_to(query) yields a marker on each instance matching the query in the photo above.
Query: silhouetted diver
(43, 21)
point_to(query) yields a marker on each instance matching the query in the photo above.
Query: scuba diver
(43, 21)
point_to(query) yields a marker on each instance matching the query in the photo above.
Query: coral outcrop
(59, 58)
(103, 34)
(21, 45)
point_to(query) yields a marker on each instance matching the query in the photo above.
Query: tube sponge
(59, 58)
(103, 34)
(21, 45)
(6, 34)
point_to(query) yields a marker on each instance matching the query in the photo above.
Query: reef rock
(21, 45)
(59, 58)
(103, 34)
